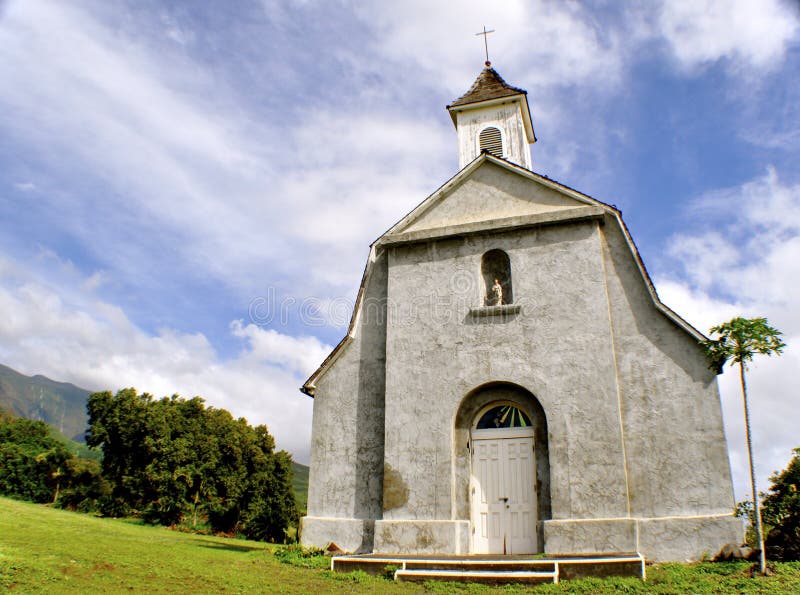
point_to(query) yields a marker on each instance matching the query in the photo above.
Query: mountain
(59, 404)
(300, 485)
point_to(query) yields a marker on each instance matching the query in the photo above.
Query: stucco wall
(675, 442)
(558, 347)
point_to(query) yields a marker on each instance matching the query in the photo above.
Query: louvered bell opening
(490, 140)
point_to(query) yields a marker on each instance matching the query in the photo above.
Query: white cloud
(74, 337)
(372, 170)
(751, 252)
(190, 169)
(161, 133)
(296, 354)
(748, 267)
(749, 34)
(558, 42)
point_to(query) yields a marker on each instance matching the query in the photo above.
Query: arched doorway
(505, 469)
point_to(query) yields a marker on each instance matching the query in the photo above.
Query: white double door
(503, 491)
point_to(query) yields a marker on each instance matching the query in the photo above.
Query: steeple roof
(488, 85)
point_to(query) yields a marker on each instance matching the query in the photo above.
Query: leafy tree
(739, 340)
(781, 511)
(173, 458)
(84, 485)
(32, 460)
(266, 515)
(117, 425)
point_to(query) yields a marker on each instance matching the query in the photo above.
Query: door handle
(505, 499)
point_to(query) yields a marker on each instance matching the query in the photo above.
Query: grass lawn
(54, 551)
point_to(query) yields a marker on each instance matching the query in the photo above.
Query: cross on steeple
(485, 33)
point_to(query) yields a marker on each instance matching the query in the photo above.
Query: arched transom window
(491, 140)
(503, 416)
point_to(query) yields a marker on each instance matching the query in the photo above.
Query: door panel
(503, 492)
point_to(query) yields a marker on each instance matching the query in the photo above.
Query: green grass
(55, 551)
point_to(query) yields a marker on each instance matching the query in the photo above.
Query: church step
(494, 577)
(565, 567)
(482, 565)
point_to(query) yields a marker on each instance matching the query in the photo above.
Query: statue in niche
(496, 273)
(496, 294)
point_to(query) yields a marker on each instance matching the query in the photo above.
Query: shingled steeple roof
(488, 85)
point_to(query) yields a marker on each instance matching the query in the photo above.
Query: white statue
(496, 294)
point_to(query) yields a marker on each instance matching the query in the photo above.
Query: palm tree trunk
(756, 511)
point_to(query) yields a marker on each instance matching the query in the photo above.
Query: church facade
(510, 381)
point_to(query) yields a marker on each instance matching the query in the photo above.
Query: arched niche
(474, 406)
(496, 267)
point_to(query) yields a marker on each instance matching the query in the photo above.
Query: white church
(510, 382)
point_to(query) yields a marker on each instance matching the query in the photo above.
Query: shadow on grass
(231, 547)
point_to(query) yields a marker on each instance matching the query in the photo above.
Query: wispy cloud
(106, 103)
(748, 35)
(555, 43)
(747, 266)
(25, 186)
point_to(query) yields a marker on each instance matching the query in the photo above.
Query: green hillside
(300, 485)
(59, 404)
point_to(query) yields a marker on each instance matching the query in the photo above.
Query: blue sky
(188, 190)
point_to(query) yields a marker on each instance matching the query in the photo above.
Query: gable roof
(395, 235)
(463, 200)
(488, 85)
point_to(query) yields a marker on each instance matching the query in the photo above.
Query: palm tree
(738, 341)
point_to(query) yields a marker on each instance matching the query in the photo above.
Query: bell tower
(493, 116)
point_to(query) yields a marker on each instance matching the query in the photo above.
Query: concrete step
(482, 565)
(493, 577)
(563, 567)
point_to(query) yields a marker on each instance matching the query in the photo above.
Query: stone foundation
(351, 535)
(590, 536)
(693, 538)
(668, 539)
(421, 537)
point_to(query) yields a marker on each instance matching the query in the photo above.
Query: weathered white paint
(507, 116)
